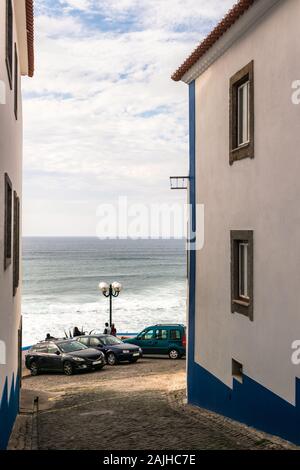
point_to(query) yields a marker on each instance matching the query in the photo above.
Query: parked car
(66, 356)
(162, 339)
(114, 349)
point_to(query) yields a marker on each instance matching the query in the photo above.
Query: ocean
(61, 278)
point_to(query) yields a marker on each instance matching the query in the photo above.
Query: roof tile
(229, 20)
(30, 35)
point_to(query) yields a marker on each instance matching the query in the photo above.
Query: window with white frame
(242, 272)
(243, 114)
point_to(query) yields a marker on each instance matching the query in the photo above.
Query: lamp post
(109, 291)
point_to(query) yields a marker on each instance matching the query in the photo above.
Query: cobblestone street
(132, 407)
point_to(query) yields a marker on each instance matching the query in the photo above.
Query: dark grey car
(114, 349)
(66, 356)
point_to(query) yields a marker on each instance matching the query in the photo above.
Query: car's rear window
(39, 348)
(175, 334)
(71, 346)
(110, 340)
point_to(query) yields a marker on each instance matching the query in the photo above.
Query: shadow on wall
(9, 408)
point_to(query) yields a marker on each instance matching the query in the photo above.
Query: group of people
(108, 330)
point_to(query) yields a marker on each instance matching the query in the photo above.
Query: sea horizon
(62, 273)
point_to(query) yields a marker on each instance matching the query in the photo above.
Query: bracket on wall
(179, 182)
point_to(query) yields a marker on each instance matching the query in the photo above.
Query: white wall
(261, 195)
(11, 163)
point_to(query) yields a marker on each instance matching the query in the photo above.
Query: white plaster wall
(11, 163)
(261, 195)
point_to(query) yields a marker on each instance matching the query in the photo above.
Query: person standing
(76, 332)
(107, 329)
(113, 330)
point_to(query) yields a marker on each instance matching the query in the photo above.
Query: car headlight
(125, 351)
(140, 349)
(78, 359)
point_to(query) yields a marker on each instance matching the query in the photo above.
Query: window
(71, 346)
(94, 342)
(237, 371)
(42, 349)
(161, 334)
(9, 40)
(242, 114)
(16, 254)
(175, 335)
(242, 273)
(7, 222)
(16, 83)
(52, 349)
(148, 335)
(84, 341)
(243, 270)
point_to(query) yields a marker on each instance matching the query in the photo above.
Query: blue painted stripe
(192, 251)
(26, 348)
(9, 408)
(249, 403)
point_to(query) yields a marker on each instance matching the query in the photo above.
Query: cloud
(102, 117)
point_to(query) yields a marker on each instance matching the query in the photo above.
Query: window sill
(242, 146)
(242, 152)
(244, 303)
(243, 308)
(238, 378)
(7, 263)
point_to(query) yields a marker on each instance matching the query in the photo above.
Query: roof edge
(30, 35)
(222, 27)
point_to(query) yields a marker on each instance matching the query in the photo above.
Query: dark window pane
(16, 83)
(16, 260)
(8, 223)
(161, 334)
(175, 334)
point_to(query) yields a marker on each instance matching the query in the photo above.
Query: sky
(102, 117)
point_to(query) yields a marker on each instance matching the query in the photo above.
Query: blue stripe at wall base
(248, 402)
(9, 408)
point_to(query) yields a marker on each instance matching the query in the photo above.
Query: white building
(16, 59)
(244, 302)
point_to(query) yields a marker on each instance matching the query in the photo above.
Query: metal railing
(179, 182)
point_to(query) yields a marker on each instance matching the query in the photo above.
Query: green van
(162, 339)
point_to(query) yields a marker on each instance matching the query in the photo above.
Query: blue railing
(26, 348)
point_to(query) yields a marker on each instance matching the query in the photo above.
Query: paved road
(137, 406)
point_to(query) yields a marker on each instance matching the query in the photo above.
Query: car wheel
(174, 354)
(111, 359)
(68, 368)
(34, 369)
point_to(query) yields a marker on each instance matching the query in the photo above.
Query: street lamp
(109, 291)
